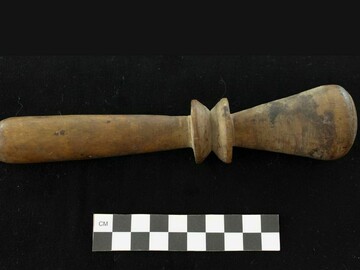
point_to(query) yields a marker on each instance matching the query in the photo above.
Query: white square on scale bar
(121, 241)
(251, 223)
(270, 241)
(159, 241)
(103, 223)
(233, 241)
(214, 223)
(196, 241)
(177, 223)
(140, 222)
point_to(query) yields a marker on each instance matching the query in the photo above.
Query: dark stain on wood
(226, 111)
(60, 133)
(307, 106)
(275, 109)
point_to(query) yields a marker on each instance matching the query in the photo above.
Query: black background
(46, 209)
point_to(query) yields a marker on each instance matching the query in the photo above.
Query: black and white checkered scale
(208, 232)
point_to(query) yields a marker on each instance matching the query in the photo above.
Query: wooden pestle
(319, 123)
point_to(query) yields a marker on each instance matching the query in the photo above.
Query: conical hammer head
(320, 123)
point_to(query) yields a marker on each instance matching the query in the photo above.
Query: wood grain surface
(319, 123)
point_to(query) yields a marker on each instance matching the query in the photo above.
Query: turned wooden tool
(319, 123)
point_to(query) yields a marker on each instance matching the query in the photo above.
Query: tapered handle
(33, 139)
(320, 123)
